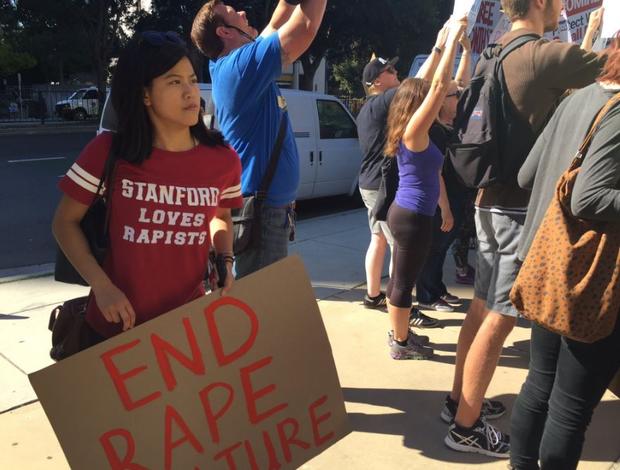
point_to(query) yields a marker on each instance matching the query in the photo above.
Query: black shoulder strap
(516, 44)
(273, 159)
(105, 193)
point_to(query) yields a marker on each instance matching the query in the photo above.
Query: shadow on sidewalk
(418, 420)
(419, 423)
(510, 357)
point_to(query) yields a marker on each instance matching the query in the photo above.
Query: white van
(326, 137)
(82, 104)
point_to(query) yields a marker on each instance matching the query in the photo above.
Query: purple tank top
(418, 188)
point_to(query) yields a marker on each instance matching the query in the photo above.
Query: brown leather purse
(70, 331)
(570, 280)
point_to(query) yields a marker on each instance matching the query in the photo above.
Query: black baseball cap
(374, 68)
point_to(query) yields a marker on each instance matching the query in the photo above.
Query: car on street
(82, 104)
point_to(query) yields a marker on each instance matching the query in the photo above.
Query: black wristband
(293, 2)
(437, 50)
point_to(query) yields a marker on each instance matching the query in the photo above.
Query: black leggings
(412, 234)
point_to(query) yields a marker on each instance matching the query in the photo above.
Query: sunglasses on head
(158, 38)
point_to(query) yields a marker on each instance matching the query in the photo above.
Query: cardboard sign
(469, 8)
(611, 19)
(245, 380)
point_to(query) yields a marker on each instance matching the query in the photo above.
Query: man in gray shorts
(537, 75)
(381, 82)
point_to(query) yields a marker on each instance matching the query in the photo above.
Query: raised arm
(429, 67)
(416, 137)
(299, 31)
(594, 25)
(281, 15)
(463, 74)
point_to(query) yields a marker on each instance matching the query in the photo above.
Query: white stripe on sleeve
(84, 174)
(230, 195)
(232, 189)
(77, 179)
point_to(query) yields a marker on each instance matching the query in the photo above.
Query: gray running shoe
(412, 350)
(418, 339)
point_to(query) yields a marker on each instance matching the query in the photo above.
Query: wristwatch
(437, 50)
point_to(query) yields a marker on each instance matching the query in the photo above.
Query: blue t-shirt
(418, 187)
(245, 94)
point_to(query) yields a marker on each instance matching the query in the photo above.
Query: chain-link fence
(48, 104)
(353, 104)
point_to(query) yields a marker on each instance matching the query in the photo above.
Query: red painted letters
(163, 350)
(119, 378)
(251, 396)
(224, 359)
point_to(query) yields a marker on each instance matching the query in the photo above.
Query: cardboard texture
(245, 380)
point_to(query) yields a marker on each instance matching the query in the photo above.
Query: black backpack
(491, 140)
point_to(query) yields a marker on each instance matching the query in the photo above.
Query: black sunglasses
(457, 93)
(240, 31)
(158, 38)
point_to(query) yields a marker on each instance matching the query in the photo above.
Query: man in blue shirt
(249, 107)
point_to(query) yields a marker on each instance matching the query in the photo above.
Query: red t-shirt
(159, 222)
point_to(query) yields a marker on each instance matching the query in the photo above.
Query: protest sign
(491, 23)
(245, 380)
(611, 18)
(488, 17)
(577, 14)
(469, 8)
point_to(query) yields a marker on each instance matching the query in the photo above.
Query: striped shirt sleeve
(82, 178)
(231, 196)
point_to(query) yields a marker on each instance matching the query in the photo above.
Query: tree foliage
(68, 36)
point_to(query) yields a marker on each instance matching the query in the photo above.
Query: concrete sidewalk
(393, 405)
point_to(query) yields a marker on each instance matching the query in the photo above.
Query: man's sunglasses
(240, 31)
(457, 93)
(158, 38)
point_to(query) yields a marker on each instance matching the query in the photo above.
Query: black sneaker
(481, 438)
(491, 409)
(419, 320)
(378, 303)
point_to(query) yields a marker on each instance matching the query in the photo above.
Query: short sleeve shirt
(371, 124)
(249, 108)
(159, 222)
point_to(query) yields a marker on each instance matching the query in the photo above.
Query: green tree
(11, 60)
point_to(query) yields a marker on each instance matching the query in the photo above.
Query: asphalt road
(30, 167)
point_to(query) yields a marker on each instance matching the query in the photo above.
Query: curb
(25, 272)
(48, 129)
(41, 270)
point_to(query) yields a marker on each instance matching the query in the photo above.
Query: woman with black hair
(171, 187)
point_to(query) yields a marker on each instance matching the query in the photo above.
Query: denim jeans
(566, 381)
(273, 244)
(430, 286)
